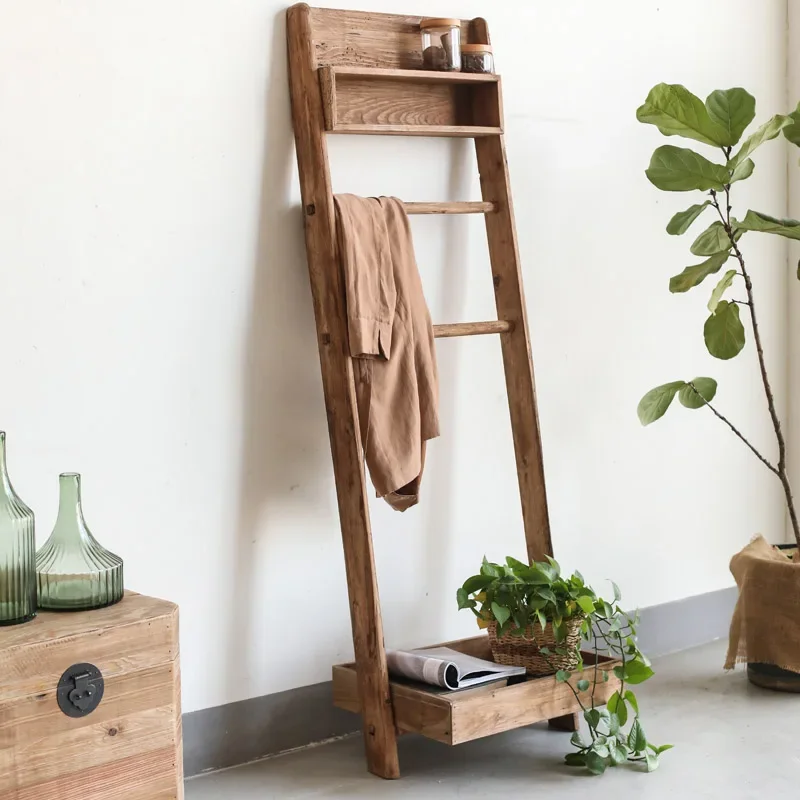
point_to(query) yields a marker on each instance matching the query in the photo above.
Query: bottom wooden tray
(457, 717)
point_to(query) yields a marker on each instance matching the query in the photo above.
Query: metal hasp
(80, 690)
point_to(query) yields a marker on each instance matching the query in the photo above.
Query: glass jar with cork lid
(477, 58)
(441, 43)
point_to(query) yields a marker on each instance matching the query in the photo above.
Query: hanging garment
(391, 342)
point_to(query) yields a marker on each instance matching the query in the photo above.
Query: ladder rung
(472, 328)
(449, 208)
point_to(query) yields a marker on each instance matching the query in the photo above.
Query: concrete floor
(732, 742)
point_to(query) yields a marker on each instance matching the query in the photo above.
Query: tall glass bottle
(74, 571)
(17, 552)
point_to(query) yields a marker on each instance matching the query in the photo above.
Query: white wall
(157, 331)
(793, 294)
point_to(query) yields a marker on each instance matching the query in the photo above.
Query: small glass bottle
(17, 552)
(477, 58)
(74, 571)
(441, 43)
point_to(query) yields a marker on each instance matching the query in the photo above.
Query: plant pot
(768, 676)
(524, 651)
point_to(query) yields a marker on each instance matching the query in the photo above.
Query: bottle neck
(5, 484)
(70, 512)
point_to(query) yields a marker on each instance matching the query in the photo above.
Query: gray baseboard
(232, 734)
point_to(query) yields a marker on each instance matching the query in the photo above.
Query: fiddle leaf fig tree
(720, 123)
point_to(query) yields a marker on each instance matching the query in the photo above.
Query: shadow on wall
(285, 454)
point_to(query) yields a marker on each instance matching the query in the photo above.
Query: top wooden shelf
(411, 75)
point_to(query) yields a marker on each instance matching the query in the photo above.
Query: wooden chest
(129, 747)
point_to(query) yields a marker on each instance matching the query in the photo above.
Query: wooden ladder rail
(327, 289)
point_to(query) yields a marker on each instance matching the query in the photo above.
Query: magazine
(446, 668)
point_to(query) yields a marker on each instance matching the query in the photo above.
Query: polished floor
(732, 742)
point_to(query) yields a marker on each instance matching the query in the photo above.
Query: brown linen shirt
(391, 342)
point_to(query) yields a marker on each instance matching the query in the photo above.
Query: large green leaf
(702, 393)
(769, 130)
(655, 403)
(756, 221)
(743, 170)
(677, 169)
(595, 763)
(720, 289)
(501, 614)
(637, 672)
(637, 741)
(724, 332)
(675, 111)
(733, 110)
(714, 239)
(683, 220)
(694, 275)
(792, 131)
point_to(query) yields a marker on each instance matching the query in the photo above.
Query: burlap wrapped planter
(765, 631)
(524, 651)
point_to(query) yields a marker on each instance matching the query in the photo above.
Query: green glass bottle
(17, 552)
(73, 570)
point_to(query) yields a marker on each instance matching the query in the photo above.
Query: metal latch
(80, 690)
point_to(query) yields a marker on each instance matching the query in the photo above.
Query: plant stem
(780, 471)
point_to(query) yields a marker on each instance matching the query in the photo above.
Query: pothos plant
(518, 595)
(720, 123)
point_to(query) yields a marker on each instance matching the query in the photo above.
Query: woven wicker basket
(523, 651)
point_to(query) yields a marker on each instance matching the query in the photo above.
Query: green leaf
(714, 239)
(575, 759)
(583, 685)
(617, 592)
(618, 753)
(720, 289)
(631, 698)
(577, 740)
(743, 171)
(651, 760)
(604, 673)
(501, 614)
(592, 717)
(675, 111)
(733, 110)
(769, 130)
(490, 570)
(562, 676)
(476, 583)
(724, 332)
(756, 221)
(559, 631)
(696, 274)
(655, 403)
(613, 702)
(463, 599)
(540, 615)
(637, 672)
(622, 713)
(601, 749)
(637, 741)
(586, 603)
(595, 763)
(546, 594)
(676, 169)
(663, 748)
(792, 131)
(704, 390)
(683, 220)
(613, 724)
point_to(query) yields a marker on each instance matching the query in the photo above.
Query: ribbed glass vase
(17, 552)
(73, 570)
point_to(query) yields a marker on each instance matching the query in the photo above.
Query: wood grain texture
(452, 207)
(410, 75)
(366, 39)
(569, 722)
(457, 717)
(44, 754)
(471, 328)
(457, 131)
(339, 391)
(510, 302)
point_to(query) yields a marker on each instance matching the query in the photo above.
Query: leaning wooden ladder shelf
(355, 72)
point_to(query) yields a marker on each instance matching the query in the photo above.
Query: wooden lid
(439, 22)
(476, 48)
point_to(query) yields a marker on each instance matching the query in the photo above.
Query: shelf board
(412, 75)
(458, 717)
(376, 129)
